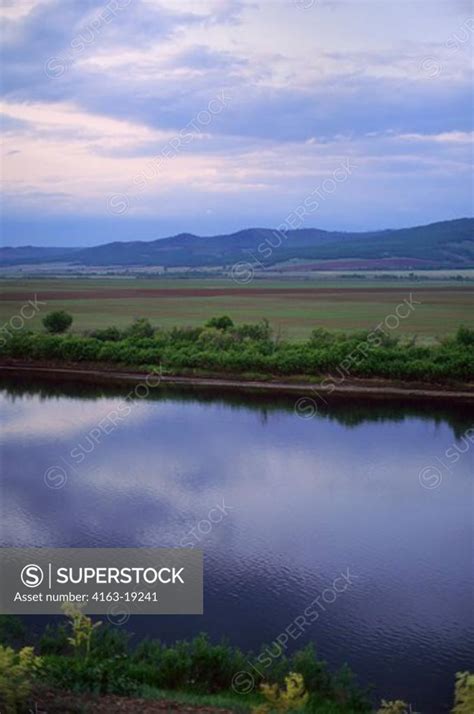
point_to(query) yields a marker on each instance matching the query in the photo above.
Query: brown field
(362, 264)
(293, 308)
(112, 293)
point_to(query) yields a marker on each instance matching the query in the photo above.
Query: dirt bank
(377, 389)
(68, 703)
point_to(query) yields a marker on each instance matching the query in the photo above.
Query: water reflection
(305, 500)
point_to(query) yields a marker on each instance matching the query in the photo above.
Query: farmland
(294, 308)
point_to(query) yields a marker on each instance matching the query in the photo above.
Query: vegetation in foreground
(250, 350)
(85, 657)
(81, 657)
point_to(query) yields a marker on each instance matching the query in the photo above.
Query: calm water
(305, 500)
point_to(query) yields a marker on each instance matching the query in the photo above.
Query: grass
(443, 307)
(227, 700)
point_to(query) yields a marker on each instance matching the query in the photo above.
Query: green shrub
(12, 631)
(17, 673)
(57, 322)
(292, 698)
(141, 327)
(259, 332)
(199, 665)
(322, 337)
(80, 349)
(315, 673)
(346, 691)
(220, 323)
(110, 642)
(213, 666)
(109, 334)
(464, 693)
(250, 348)
(212, 337)
(465, 336)
(82, 629)
(90, 674)
(180, 334)
(101, 661)
(54, 640)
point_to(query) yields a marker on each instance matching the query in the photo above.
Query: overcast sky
(134, 119)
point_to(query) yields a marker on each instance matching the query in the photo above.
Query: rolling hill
(447, 244)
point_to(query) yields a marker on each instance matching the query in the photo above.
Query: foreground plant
(292, 698)
(464, 693)
(82, 628)
(108, 664)
(17, 672)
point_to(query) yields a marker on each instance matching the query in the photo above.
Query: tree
(57, 321)
(220, 323)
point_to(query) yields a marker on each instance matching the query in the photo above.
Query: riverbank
(83, 703)
(314, 392)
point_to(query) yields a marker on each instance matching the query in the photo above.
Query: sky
(139, 119)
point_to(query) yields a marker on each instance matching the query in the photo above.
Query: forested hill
(447, 244)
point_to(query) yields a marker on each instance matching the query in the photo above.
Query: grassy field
(293, 307)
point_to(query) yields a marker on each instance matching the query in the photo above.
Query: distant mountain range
(447, 244)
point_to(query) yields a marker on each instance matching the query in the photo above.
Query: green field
(294, 308)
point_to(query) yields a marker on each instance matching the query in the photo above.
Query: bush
(101, 661)
(180, 334)
(17, 672)
(220, 323)
(108, 666)
(110, 642)
(141, 327)
(54, 640)
(292, 698)
(464, 693)
(250, 348)
(79, 349)
(82, 629)
(322, 337)
(89, 674)
(213, 666)
(12, 631)
(198, 665)
(57, 322)
(465, 336)
(260, 332)
(109, 334)
(346, 691)
(314, 671)
(215, 338)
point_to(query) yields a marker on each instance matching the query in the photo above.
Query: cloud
(59, 35)
(92, 98)
(447, 137)
(200, 57)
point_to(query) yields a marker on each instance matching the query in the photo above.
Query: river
(281, 504)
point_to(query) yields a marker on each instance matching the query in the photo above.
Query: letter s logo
(32, 575)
